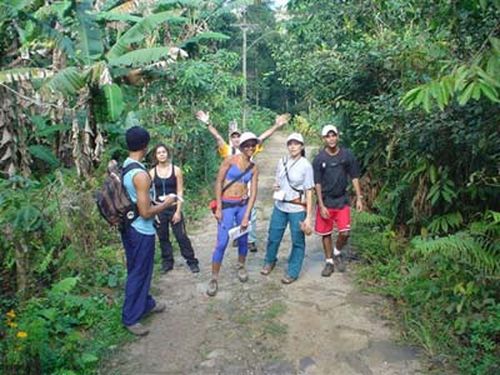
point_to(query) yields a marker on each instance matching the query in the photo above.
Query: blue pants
(277, 226)
(139, 251)
(231, 216)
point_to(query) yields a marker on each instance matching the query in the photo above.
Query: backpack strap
(133, 165)
(128, 168)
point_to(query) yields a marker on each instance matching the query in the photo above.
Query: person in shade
(139, 237)
(234, 204)
(232, 148)
(167, 179)
(333, 167)
(293, 191)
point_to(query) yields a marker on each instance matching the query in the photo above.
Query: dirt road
(316, 325)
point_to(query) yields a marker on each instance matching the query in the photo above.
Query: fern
(367, 218)
(480, 253)
(445, 223)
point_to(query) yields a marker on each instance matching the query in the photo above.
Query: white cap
(248, 136)
(327, 129)
(295, 137)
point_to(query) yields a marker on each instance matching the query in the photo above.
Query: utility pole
(244, 27)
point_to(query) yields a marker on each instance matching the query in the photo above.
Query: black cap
(137, 138)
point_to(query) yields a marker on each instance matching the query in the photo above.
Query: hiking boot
(137, 329)
(328, 270)
(338, 261)
(194, 268)
(159, 308)
(212, 288)
(252, 247)
(242, 273)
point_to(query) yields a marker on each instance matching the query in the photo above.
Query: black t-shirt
(333, 173)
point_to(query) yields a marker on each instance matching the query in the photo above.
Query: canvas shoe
(159, 308)
(137, 329)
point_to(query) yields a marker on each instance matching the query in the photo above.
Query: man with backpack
(138, 237)
(332, 167)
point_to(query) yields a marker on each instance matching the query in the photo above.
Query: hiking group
(157, 197)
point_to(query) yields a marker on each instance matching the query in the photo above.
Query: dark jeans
(181, 237)
(139, 250)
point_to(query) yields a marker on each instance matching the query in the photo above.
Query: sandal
(266, 270)
(288, 280)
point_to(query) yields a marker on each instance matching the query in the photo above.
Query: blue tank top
(233, 173)
(141, 225)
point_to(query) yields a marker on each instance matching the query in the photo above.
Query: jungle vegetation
(413, 86)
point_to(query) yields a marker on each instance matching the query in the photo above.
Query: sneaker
(212, 288)
(252, 247)
(328, 270)
(159, 307)
(137, 329)
(167, 269)
(338, 260)
(194, 268)
(242, 273)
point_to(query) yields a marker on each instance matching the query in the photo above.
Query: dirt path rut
(316, 325)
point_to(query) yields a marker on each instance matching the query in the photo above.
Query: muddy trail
(316, 325)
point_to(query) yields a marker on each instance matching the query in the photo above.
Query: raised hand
(204, 117)
(282, 119)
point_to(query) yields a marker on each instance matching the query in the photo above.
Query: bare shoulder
(177, 171)
(142, 179)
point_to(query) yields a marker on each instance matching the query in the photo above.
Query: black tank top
(164, 186)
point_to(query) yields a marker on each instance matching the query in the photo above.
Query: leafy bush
(445, 289)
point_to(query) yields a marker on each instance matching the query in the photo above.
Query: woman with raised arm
(168, 180)
(232, 148)
(292, 204)
(234, 205)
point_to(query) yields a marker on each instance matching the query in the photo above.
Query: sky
(280, 2)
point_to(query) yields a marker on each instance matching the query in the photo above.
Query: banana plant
(89, 65)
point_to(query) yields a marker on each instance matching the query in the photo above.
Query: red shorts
(341, 217)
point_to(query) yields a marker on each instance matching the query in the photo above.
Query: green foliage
(114, 101)
(464, 82)
(444, 289)
(51, 333)
(140, 31)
